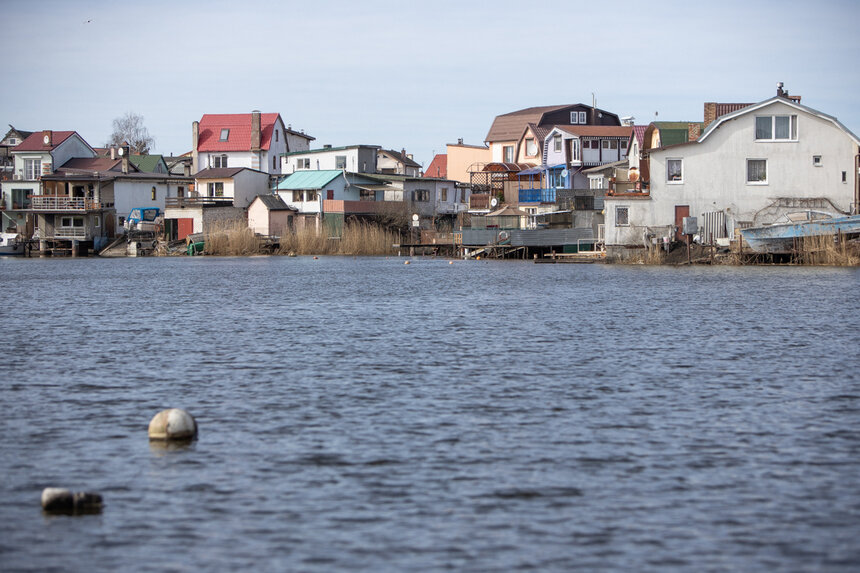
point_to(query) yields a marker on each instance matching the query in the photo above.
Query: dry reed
(826, 250)
(231, 239)
(358, 238)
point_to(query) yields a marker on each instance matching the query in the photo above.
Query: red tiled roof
(639, 132)
(438, 168)
(35, 143)
(239, 138)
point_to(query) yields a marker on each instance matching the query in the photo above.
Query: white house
(352, 158)
(397, 163)
(747, 168)
(254, 140)
(220, 196)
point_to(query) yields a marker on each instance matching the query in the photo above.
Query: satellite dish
(564, 172)
(494, 202)
(121, 151)
(415, 217)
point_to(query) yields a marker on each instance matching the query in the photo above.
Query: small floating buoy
(406, 263)
(173, 424)
(315, 257)
(450, 262)
(63, 501)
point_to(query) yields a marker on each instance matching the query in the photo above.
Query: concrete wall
(462, 157)
(358, 160)
(72, 147)
(247, 185)
(265, 222)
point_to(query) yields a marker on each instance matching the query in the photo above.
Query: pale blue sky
(414, 75)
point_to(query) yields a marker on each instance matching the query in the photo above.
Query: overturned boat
(782, 237)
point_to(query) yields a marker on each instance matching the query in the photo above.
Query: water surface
(362, 414)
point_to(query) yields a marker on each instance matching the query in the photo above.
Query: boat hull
(781, 238)
(9, 245)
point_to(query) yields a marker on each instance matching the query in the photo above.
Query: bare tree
(130, 129)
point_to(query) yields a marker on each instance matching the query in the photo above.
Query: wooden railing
(62, 203)
(357, 207)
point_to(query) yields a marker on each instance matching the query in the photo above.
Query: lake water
(363, 414)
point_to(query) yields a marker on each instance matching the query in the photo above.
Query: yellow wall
(461, 157)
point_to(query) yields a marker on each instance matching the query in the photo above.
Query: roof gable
(273, 203)
(438, 168)
(238, 126)
(769, 102)
(35, 141)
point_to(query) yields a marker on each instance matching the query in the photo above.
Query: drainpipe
(857, 184)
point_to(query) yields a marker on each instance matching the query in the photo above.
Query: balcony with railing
(63, 203)
(62, 233)
(627, 189)
(182, 202)
(355, 207)
(537, 195)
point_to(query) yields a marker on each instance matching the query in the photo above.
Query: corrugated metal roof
(309, 180)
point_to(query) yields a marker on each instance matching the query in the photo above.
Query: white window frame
(626, 209)
(574, 117)
(508, 153)
(669, 180)
(792, 128)
(747, 174)
(816, 161)
(340, 161)
(582, 120)
(219, 161)
(531, 147)
(32, 166)
(556, 143)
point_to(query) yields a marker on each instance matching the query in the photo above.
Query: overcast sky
(413, 75)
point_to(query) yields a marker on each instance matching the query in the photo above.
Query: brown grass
(826, 250)
(231, 239)
(358, 238)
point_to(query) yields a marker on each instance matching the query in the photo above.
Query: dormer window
(225, 133)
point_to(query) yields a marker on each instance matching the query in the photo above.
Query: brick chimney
(694, 130)
(255, 130)
(710, 113)
(125, 151)
(195, 137)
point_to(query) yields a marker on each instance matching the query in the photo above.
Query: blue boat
(781, 238)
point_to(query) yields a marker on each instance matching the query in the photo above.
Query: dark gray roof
(218, 172)
(274, 203)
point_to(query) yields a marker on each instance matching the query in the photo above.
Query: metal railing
(62, 233)
(537, 195)
(62, 203)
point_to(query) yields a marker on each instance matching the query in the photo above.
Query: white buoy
(62, 500)
(173, 424)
